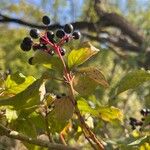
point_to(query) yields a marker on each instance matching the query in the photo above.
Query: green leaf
(132, 80)
(87, 79)
(77, 57)
(16, 83)
(48, 61)
(63, 111)
(94, 74)
(30, 125)
(108, 114)
(11, 115)
(85, 107)
(63, 108)
(84, 85)
(29, 97)
(140, 141)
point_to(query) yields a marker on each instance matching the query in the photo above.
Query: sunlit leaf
(11, 115)
(105, 113)
(132, 80)
(110, 113)
(16, 83)
(77, 57)
(29, 97)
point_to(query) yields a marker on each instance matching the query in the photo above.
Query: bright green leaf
(11, 115)
(110, 113)
(16, 83)
(77, 57)
(85, 107)
(105, 113)
(132, 80)
(29, 97)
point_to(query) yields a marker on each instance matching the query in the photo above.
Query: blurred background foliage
(113, 66)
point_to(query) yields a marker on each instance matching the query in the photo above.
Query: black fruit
(30, 61)
(58, 96)
(62, 51)
(34, 33)
(43, 47)
(50, 36)
(25, 47)
(143, 112)
(27, 40)
(76, 35)
(51, 52)
(68, 28)
(46, 20)
(60, 33)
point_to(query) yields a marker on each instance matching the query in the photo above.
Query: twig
(85, 127)
(62, 139)
(15, 135)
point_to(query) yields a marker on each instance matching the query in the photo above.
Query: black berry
(63, 94)
(34, 33)
(25, 47)
(46, 20)
(132, 119)
(27, 40)
(76, 35)
(62, 51)
(51, 52)
(60, 33)
(50, 36)
(143, 112)
(30, 61)
(58, 96)
(68, 28)
(43, 47)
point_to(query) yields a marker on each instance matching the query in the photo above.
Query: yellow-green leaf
(77, 57)
(16, 83)
(110, 113)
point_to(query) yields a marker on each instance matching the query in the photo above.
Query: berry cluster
(49, 41)
(134, 122)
